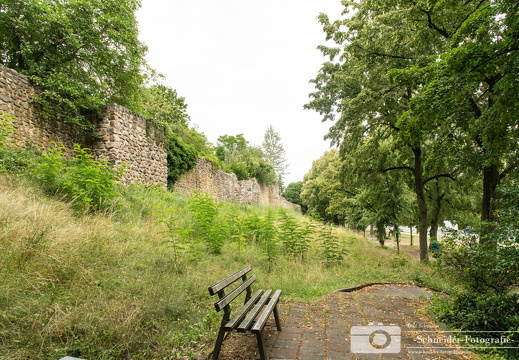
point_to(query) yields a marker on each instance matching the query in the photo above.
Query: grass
(105, 286)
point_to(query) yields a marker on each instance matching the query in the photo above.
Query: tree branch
(382, 54)
(433, 26)
(397, 168)
(439, 176)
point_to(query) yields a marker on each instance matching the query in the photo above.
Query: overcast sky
(243, 65)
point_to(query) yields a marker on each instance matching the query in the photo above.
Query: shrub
(181, 158)
(205, 211)
(6, 128)
(332, 252)
(488, 269)
(485, 316)
(89, 184)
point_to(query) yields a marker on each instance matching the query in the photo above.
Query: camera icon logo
(375, 338)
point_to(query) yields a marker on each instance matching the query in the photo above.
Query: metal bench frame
(252, 316)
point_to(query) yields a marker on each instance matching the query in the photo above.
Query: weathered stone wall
(31, 129)
(226, 187)
(221, 185)
(123, 136)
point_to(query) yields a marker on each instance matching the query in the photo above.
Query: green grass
(105, 286)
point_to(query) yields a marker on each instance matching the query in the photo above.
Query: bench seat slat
(247, 322)
(234, 294)
(231, 324)
(213, 289)
(262, 318)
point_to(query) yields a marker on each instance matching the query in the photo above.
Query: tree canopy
(422, 74)
(236, 155)
(82, 53)
(275, 154)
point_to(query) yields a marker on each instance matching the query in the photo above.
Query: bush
(6, 128)
(488, 269)
(16, 160)
(181, 158)
(485, 316)
(89, 184)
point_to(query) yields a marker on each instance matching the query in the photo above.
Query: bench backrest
(219, 288)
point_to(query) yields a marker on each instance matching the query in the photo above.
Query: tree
(473, 85)
(163, 104)
(274, 153)
(246, 161)
(378, 40)
(293, 194)
(322, 191)
(83, 54)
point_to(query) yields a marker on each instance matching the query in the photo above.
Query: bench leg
(261, 347)
(219, 341)
(276, 317)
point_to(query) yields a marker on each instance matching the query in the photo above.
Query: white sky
(243, 65)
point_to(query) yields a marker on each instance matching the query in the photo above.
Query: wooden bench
(252, 316)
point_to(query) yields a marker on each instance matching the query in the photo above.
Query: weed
(90, 184)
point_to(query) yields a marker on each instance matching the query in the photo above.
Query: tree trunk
(397, 238)
(421, 202)
(433, 231)
(491, 178)
(411, 230)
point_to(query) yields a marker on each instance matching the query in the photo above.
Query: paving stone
(331, 355)
(321, 330)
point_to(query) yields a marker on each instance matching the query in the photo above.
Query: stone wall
(31, 129)
(126, 138)
(123, 137)
(226, 187)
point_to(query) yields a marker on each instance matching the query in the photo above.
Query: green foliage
(6, 128)
(293, 194)
(11, 158)
(206, 227)
(332, 251)
(294, 236)
(163, 104)
(82, 54)
(237, 156)
(488, 270)
(181, 158)
(275, 154)
(176, 237)
(488, 267)
(239, 231)
(267, 237)
(322, 191)
(89, 184)
(485, 316)
(16, 160)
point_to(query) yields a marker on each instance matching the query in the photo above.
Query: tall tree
(473, 85)
(275, 154)
(322, 191)
(378, 37)
(246, 161)
(82, 53)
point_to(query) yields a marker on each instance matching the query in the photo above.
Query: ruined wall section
(31, 129)
(217, 183)
(226, 187)
(127, 138)
(123, 137)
